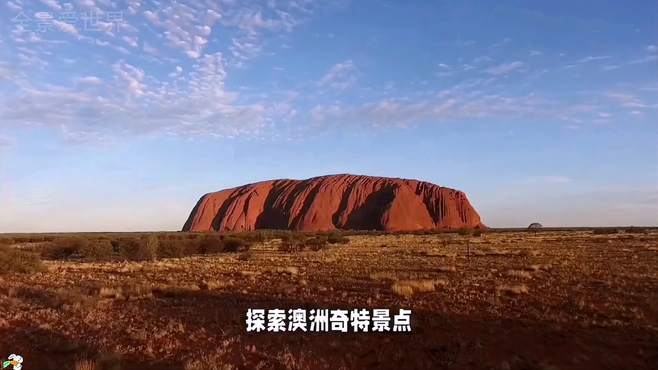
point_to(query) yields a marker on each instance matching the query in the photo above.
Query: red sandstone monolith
(334, 202)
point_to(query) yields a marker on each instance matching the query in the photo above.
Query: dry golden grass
(383, 275)
(85, 365)
(407, 288)
(514, 289)
(176, 289)
(519, 274)
(207, 363)
(292, 270)
(212, 284)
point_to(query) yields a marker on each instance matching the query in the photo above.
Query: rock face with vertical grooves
(334, 202)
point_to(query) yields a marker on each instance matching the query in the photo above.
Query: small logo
(16, 361)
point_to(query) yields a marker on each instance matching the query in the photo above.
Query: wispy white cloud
(610, 67)
(135, 102)
(646, 59)
(628, 100)
(131, 76)
(501, 43)
(189, 25)
(548, 179)
(52, 4)
(506, 68)
(340, 76)
(89, 80)
(186, 26)
(588, 59)
(456, 103)
(245, 48)
(14, 6)
(136, 98)
(66, 27)
(252, 21)
(192, 47)
(131, 40)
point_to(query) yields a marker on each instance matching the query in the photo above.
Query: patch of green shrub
(232, 244)
(291, 246)
(636, 230)
(211, 244)
(464, 231)
(137, 249)
(174, 248)
(315, 243)
(31, 239)
(6, 241)
(605, 231)
(65, 248)
(18, 261)
(336, 238)
(97, 250)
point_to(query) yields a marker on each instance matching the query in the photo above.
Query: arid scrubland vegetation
(561, 299)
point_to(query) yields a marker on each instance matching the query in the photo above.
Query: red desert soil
(500, 301)
(334, 202)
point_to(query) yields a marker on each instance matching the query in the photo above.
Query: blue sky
(118, 115)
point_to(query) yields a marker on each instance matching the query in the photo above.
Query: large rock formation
(334, 202)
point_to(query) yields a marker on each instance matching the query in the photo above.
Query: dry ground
(517, 300)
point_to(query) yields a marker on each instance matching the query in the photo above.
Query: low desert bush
(143, 248)
(149, 249)
(233, 244)
(245, 256)
(65, 248)
(288, 236)
(253, 236)
(605, 231)
(32, 239)
(336, 238)
(211, 244)
(97, 250)
(18, 261)
(315, 244)
(6, 241)
(174, 248)
(464, 231)
(291, 246)
(136, 249)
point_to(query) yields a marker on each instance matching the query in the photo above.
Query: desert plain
(499, 299)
